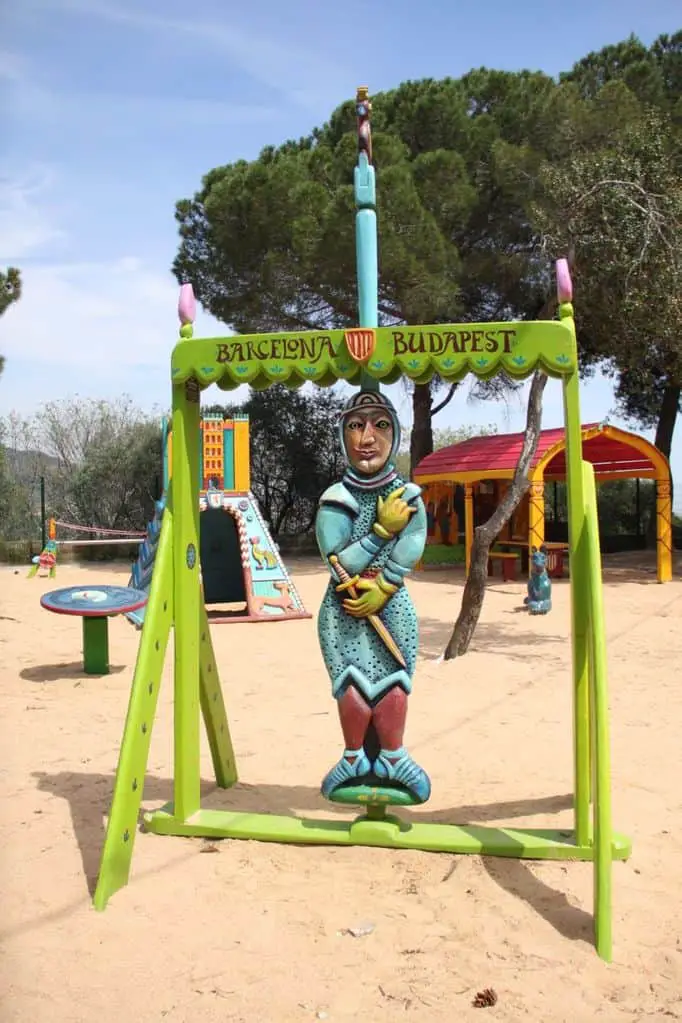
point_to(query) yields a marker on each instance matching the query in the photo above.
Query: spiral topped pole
(366, 246)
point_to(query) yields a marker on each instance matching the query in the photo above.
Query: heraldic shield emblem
(360, 342)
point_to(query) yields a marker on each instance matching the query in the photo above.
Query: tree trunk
(485, 535)
(665, 429)
(421, 439)
(667, 418)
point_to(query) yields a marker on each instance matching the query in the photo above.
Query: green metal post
(96, 645)
(603, 838)
(579, 587)
(43, 525)
(186, 597)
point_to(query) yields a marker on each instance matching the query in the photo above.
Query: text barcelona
(361, 342)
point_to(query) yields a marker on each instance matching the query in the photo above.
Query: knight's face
(368, 438)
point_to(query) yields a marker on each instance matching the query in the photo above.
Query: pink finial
(187, 305)
(564, 284)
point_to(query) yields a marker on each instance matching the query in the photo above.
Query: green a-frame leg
(132, 766)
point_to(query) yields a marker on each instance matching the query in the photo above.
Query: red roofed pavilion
(614, 453)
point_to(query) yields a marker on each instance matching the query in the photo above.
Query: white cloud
(25, 225)
(37, 101)
(12, 67)
(88, 316)
(184, 115)
(89, 327)
(282, 64)
(95, 330)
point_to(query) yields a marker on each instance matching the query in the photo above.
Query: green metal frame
(175, 598)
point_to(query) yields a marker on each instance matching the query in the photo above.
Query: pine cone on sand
(486, 998)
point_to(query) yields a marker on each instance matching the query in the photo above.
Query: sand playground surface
(258, 932)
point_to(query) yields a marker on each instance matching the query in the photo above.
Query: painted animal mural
(264, 558)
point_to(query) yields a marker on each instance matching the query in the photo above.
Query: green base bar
(96, 646)
(389, 833)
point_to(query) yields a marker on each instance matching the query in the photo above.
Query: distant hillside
(27, 465)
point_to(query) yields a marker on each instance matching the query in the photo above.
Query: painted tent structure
(615, 454)
(240, 562)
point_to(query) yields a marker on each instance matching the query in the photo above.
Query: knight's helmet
(371, 401)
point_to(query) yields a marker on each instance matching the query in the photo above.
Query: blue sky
(114, 110)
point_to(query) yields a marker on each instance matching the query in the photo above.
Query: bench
(555, 560)
(508, 562)
(556, 555)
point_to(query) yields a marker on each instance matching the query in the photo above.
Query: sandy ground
(259, 932)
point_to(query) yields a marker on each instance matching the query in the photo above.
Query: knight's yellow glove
(393, 514)
(374, 595)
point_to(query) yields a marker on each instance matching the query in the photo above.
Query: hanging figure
(371, 531)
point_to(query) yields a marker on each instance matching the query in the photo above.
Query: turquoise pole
(366, 252)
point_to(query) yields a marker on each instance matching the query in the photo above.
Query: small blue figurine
(371, 531)
(539, 599)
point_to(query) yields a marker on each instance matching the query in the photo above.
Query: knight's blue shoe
(398, 766)
(352, 765)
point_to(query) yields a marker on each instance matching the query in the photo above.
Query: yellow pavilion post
(468, 524)
(664, 531)
(536, 511)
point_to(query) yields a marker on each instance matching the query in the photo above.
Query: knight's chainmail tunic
(352, 650)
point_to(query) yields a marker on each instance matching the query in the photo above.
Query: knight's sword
(348, 585)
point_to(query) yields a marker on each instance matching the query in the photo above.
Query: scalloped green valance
(451, 350)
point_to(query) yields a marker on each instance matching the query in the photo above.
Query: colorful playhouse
(464, 483)
(241, 565)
